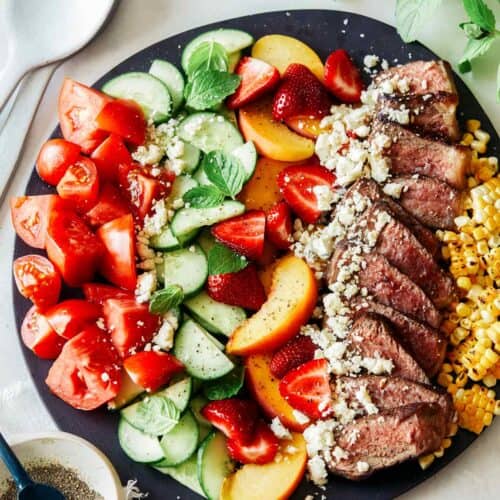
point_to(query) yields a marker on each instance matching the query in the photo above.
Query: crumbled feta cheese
(146, 285)
(393, 189)
(164, 338)
(154, 224)
(279, 430)
(317, 470)
(363, 396)
(300, 417)
(100, 323)
(324, 197)
(370, 60)
(105, 377)
(362, 467)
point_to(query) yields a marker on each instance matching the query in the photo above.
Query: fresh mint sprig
(209, 88)
(164, 300)
(222, 260)
(203, 197)
(225, 172)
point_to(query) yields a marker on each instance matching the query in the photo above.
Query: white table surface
(139, 23)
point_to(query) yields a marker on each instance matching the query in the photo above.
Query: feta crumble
(279, 430)
(146, 285)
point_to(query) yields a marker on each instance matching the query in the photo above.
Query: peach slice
(289, 305)
(271, 138)
(276, 480)
(281, 51)
(306, 126)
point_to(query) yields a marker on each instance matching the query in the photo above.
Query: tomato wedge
(87, 373)
(110, 205)
(97, 293)
(31, 214)
(118, 263)
(108, 155)
(73, 248)
(38, 280)
(79, 186)
(78, 108)
(69, 317)
(39, 336)
(54, 158)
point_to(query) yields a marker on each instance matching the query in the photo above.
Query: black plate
(324, 31)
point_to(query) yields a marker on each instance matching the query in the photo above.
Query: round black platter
(324, 31)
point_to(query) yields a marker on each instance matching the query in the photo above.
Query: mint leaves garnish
(225, 387)
(222, 260)
(225, 172)
(203, 197)
(164, 300)
(411, 15)
(209, 88)
(156, 415)
(207, 56)
(480, 14)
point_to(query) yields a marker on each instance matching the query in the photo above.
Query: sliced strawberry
(342, 77)
(279, 225)
(260, 450)
(296, 184)
(257, 78)
(307, 388)
(243, 234)
(295, 352)
(243, 288)
(300, 93)
(235, 418)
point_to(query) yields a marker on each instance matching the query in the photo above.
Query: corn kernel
(489, 380)
(439, 452)
(426, 461)
(467, 139)
(472, 125)
(478, 146)
(464, 282)
(482, 136)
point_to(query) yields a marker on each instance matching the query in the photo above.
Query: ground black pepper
(54, 474)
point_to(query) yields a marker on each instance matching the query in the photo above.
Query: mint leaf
(473, 49)
(164, 300)
(222, 260)
(227, 386)
(207, 56)
(411, 15)
(203, 197)
(225, 172)
(156, 415)
(472, 30)
(208, 88)
(480, 14)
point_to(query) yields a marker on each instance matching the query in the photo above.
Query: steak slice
(411, 154)
(432, 114)
(385, 439)
(400, 247)
(388, 285)
(371, 190)
(425, 344)
(433, 202)
(372, 338)
(423, 77)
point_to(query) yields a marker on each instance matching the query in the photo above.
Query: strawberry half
(243, 288)
(243, 234)
(257, 78)
(342, 77)
(235, 418)
(300, 93)
(260, 450)
(307, 388)
(296, 184)
(295, 352)
(279, 225)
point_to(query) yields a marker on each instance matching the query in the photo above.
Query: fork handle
(10, 75)
(12, 463)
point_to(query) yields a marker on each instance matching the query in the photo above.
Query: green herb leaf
(411, 15)
(472, 30)
(464, 66)
(156, 415)
(164, 300)
(480, 14)
(227, 386)
(207, 56)
(208, 88)
(225, 172)
(473, 49)
(203, 197)
(222, 260)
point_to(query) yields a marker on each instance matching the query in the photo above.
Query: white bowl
(73, 452)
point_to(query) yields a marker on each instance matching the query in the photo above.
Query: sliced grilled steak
(378, 441)
(423, 77)
(427, 345)
(372, 338)
(400, 247)
(388, 285)
(432, 114)
(371, 190)
(414, 154)
(432, 202)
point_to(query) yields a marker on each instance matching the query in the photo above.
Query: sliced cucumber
(247, 154)
(214, 464)
(209, 132)
(201, 177)
(159, 268)
(190, 157)
(182, 184)
(196, 405)
(186, 220)
(232, 40)
(129, 390)
(186, 473)
(147, 90)
(163, 241)
(233, 60)
(206, 240)
(179, 392)
(214, 316)
(172, 78)
(186, 267)
(196, 349)
(137, 445)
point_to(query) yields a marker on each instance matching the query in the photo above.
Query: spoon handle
(15, 468)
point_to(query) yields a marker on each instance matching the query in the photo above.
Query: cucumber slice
(233, 60)
(179, 392)
(190, 157)
(129, 390)
(201, 177)
(232, 40)
(206, 240)
(137, 445)
(172, 78)
(214, 464)
(186, 220)
(196, 404)
(186, 267)
(163, 241)
(214, 316)
(149, 92)
(196, 349)
(182, 184)
(159, 268)
(209, 132)
(247, 154)
(186, 473)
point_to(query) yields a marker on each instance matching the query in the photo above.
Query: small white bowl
(73, 452)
